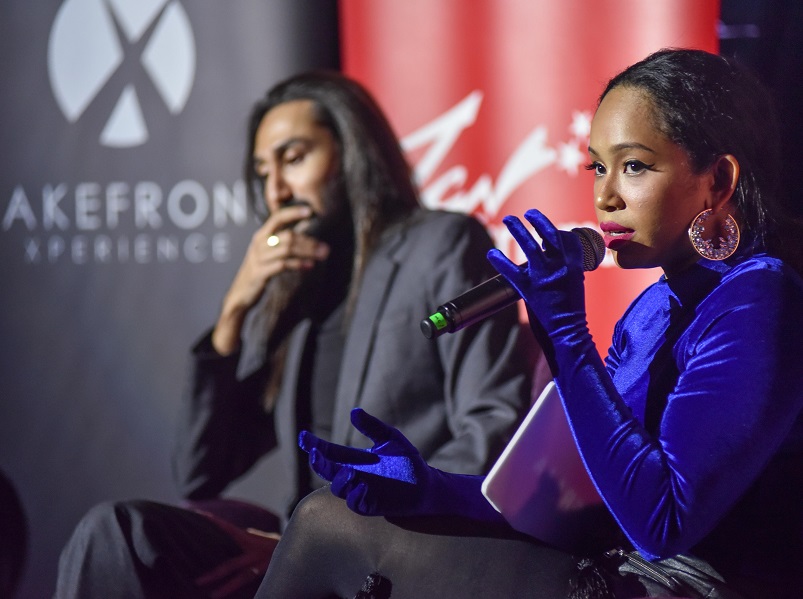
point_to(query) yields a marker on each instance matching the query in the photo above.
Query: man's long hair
(373, 181)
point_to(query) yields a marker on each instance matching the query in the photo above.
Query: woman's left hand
(551, 282)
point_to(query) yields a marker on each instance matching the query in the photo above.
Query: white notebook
(539, 483)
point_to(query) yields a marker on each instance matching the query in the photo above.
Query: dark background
(94, 354)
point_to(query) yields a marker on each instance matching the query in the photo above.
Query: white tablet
(539, 483)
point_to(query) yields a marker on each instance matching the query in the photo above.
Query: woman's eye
(596, 167)
(633, 167)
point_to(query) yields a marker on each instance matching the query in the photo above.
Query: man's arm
(222, 427)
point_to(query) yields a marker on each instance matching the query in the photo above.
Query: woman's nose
(606, 196)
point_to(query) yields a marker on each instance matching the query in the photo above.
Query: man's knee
(101, 517)
(110, 522)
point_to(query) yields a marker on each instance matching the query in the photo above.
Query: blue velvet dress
(692, 430)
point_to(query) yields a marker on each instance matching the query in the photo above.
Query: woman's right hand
(291, 250)
(391, 478)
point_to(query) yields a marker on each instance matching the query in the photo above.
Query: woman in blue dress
(691, 429)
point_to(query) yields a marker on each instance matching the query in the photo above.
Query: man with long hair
(322, 316)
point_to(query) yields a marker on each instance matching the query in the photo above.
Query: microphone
(487, 298)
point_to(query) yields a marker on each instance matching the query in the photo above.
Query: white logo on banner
(486, 196)
(88, 43)
(532, 155)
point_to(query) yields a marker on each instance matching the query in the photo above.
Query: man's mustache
(308, 226)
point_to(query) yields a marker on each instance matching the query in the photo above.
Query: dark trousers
(142, 549)
(328, 551)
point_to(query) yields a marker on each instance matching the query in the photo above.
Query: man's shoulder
(442, 226)
(435, 235)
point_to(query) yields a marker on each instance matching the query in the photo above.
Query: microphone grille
(593, 247)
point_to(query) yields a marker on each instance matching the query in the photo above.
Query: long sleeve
(704, 383)
(222, 428)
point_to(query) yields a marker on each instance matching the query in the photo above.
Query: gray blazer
(458, 398)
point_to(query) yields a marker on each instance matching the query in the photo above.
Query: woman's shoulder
(760, 262)
(760, 289)
(711, 288)
(761, 275)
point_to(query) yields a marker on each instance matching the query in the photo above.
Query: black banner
(122, 221)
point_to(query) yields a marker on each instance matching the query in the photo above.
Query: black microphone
(487, 298)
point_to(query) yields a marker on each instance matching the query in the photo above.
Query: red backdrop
(493, 102)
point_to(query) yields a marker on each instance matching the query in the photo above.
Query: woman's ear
(725, 171)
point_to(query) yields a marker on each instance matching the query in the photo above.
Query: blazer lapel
(287, 427)
(376, 284)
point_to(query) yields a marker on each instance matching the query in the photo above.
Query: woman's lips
(615, 235)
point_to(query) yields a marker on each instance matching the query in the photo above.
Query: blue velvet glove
(551, 282)
(391, 478)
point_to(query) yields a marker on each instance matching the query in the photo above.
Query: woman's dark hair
(374, 179)
(710, 106)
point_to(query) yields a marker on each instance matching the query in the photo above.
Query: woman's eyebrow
(625, 146)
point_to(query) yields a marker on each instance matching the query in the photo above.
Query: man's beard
(295, 294)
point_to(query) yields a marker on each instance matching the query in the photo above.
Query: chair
(13, 538)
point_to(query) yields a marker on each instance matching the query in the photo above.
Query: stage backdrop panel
(122, 222)
(494, 100)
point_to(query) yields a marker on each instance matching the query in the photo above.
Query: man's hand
(275, 247)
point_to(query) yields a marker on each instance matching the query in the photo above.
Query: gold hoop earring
(724, 247)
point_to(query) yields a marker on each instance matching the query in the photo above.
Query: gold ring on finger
(273, 240)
